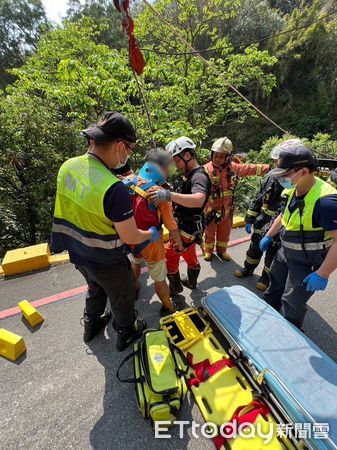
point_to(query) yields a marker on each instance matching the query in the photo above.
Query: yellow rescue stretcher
(219, 387)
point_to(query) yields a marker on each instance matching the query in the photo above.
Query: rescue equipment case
(159, 371)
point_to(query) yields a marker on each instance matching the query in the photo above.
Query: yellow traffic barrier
(26, 259)
(11, 345)
(2, 273)
(31, 314)
(61, 258)
(238, 222)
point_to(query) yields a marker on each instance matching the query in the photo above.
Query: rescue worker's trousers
(218, 234)
(254, 255)
(286, 292)
(115, 282)
(173, 257)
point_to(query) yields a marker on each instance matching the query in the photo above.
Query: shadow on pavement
(224, 276)
(320, 332)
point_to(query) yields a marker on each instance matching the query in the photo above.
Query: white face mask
(121, 164)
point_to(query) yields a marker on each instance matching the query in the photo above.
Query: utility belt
(216, 216)
(191, 228)
(309, 246)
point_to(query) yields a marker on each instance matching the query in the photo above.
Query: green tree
(253, 20)
(21, 22)
(104, 15)
(200, 95)
(34, 140)
(306, 98)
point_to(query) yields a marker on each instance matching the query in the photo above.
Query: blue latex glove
(315, 282)
(155, 234)
(264, 243)
(248, 228)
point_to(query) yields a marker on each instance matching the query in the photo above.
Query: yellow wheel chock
(31, 314)
(11, 345)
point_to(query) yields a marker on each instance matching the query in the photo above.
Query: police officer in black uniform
(265, 206)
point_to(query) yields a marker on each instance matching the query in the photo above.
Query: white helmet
(222, 145)
(179, 145)
(285, 145)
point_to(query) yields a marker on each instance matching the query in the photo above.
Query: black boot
(175, 283)
(125, 336)
(192, 276)
(93, 326)
(263, 281)
(174, 308)
(242, 273)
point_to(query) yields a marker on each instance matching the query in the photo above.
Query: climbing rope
(141, 89)
(211, 65)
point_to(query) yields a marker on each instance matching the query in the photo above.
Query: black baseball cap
(293, 155)
(111, 126)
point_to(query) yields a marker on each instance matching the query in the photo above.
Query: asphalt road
(64, 394)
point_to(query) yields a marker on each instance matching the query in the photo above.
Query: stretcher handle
(260, 379)
(126, 380)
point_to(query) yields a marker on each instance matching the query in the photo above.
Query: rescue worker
(154, 173)
(93, 220)
(333, 178)
(262, 211)
(308, 231)
(224, 174)
(188, 212)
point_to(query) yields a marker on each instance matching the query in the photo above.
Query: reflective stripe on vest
(80, 224)
(292, 222)
(309, 245)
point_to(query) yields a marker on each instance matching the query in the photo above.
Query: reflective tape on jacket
(309, 245)
(252, 213)
(269, 212)
(89, 241)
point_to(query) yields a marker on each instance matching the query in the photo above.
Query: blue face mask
(286, 184)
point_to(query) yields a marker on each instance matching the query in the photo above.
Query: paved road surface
(63, 394)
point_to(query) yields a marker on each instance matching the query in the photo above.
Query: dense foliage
(57, 79)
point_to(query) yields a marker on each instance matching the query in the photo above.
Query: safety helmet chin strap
(183, 159)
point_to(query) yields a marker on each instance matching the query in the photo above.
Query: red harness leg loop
(254, 408)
